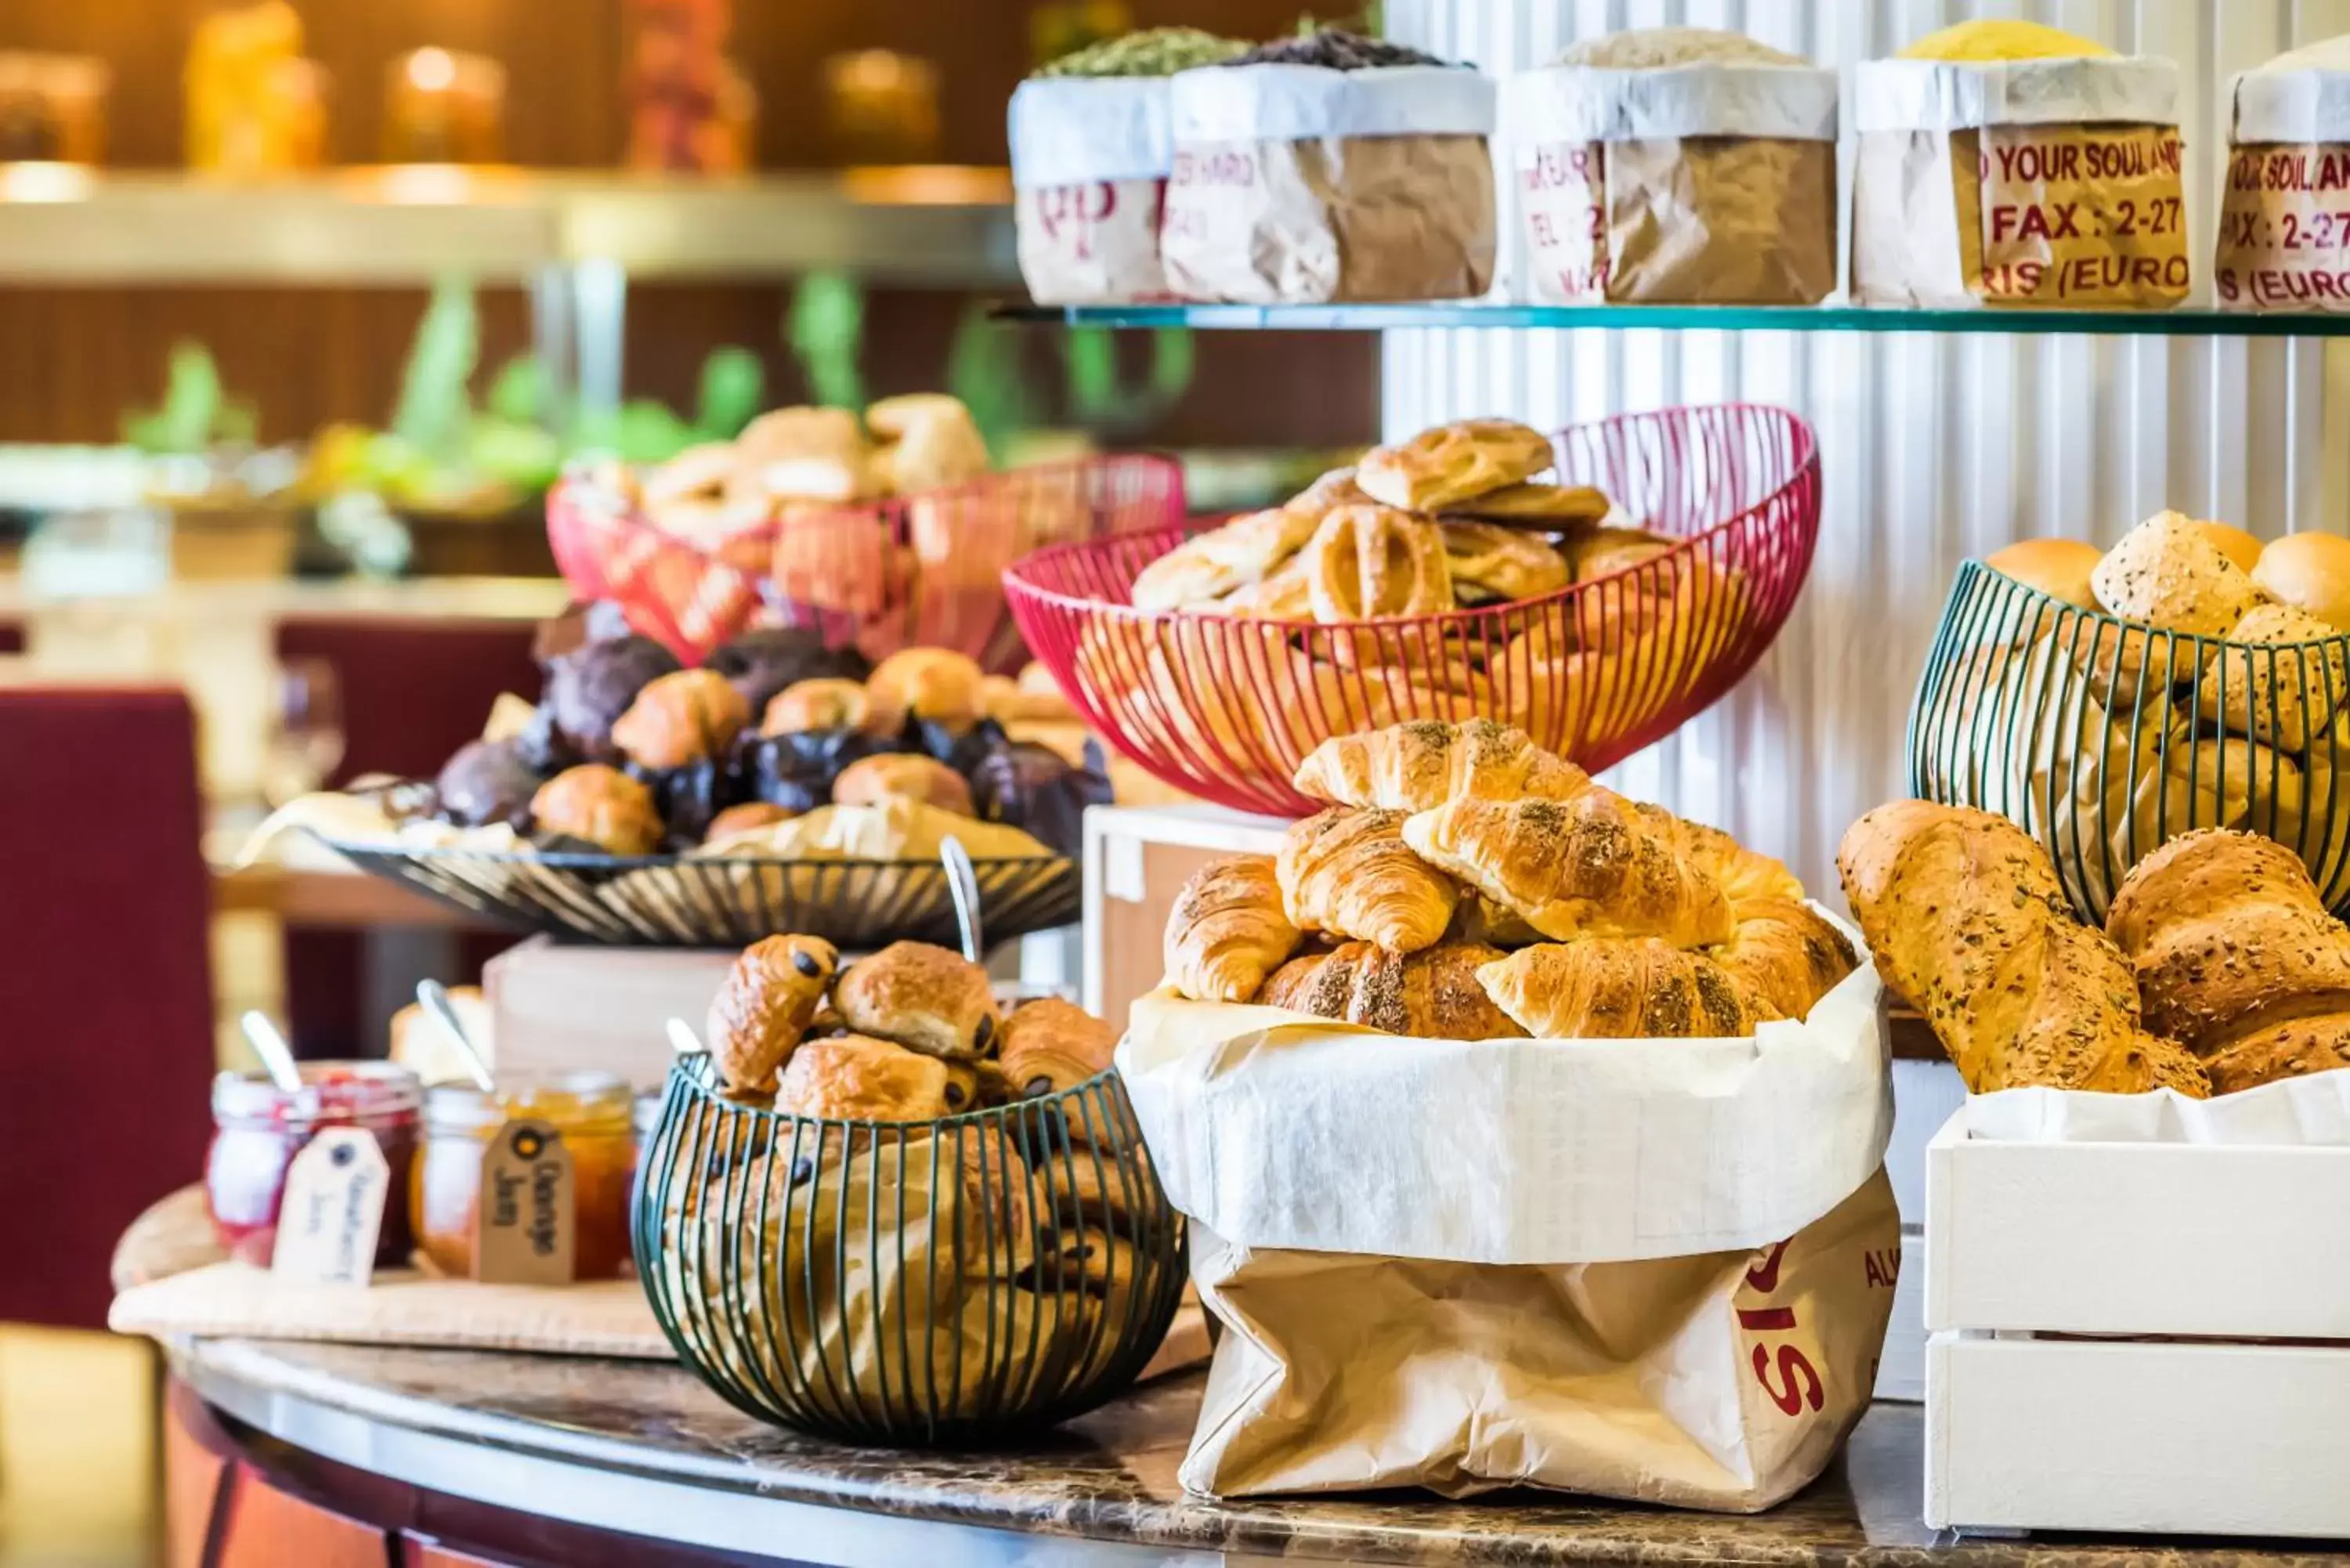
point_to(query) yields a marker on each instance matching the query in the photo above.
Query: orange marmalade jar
(590, 1110)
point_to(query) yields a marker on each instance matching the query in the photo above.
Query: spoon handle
(434, 998)
(963, 886)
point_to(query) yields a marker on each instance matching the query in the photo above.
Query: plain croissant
(1967, 919)
(1348, 873)
(1622, 988)
(1227, 930)
(2237, 956)
(1420, 766)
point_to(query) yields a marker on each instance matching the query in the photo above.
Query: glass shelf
(1684, 319)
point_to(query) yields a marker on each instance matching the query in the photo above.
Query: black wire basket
(909, 1283)
(684, 900)
(2103, 738)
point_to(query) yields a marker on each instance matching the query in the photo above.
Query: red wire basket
(1225, 708)
(922, 571)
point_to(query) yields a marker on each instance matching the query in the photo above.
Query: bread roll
(2232, 541)
(2167, 573)
(2057, 568)
(2310, 571)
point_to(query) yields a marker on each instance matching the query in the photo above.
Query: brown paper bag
(2284, 229)
(1723, 1382)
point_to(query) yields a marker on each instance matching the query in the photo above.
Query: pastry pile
(1467, 885)
(2219, 969)
(2234, 717)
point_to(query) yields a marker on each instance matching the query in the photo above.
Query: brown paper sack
(2080, 206)
(1724, 1382)
(1703, 184)
(1089, 163)
(2284, 221)
(1300, 185)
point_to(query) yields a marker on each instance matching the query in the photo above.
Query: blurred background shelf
(1684, 319)
(944, 225)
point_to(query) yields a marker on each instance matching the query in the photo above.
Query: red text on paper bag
(1781, 1350)
(2284, 229)
(2082, 215)
(1093, 242)
(1561, 194)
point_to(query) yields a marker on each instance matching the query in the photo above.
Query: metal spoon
(434, 998)
(276, 1057)
(963, 886)
(683, 1039)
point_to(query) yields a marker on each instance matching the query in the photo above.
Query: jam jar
(258, 1128)
(591, 1110)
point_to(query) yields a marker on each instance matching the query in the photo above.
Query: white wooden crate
(2103, 1324)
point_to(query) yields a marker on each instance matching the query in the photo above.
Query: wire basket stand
(1225, 708)
(907, 1283)
(922, 571)
(2104, 739)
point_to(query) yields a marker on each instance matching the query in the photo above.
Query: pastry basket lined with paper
(1529, 1135)
(1445, 577)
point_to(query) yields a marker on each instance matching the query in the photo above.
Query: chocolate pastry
(852, 1078)
(764, 1006)
(486, 781)
(601, 804)
(689, 798)
(600, 621)
(922, 997)
(962, 750)
(762, 663)
(1050, 1045)
(589, 688)
(796, 771)
(1034, 788)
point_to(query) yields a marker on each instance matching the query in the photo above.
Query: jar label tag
(525, 1221)
(333, 1209)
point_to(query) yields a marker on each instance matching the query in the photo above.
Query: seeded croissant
(1227, 930)
(1348, 872)
(1421, 765)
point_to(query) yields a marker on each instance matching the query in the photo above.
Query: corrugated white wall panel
(1935, 448)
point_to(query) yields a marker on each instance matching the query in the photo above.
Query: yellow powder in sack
(1999, 39)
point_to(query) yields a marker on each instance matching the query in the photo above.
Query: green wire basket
(908, 1283)
(2104, 738)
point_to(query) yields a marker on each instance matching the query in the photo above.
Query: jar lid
(330, 1090)
(568, 1100)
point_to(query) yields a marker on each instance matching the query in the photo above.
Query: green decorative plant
(197, 413)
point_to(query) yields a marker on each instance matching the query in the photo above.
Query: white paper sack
(1590, 103)
(2312, 1112)
(1306, 103)
(1278, 1131)
(1076, 130)
(1942, 95)
(2291, 107)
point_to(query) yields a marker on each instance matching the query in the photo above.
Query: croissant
(1622, 988)
(1421, 765)
(1967, 919)
(1050, 1045)
(2237, 956)
(1743, 875)
(1785, 954)
(679, 718)
(1597, 865)
(1229, 929)
(1432, 994)
(1348, 872)
(763, 1008)
(853, 1077)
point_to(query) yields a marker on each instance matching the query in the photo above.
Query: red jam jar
(258, 1128)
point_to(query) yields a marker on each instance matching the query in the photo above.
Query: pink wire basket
(1224, 708)
(923, 571)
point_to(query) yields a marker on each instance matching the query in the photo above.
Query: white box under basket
(2134, 1323)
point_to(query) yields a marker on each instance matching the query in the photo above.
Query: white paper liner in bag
(2313, 1112)
(1277, 1130)
(1943, 94)
(2291, 107)
(1594, 103)
(1077, 130)
(1306, 103)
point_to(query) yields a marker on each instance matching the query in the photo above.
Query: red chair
(106, 1003)
(414, 690)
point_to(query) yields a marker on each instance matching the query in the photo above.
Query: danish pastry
(1434, 994)
(1596, 866)
(1347, 871)
(922, 997)
(1492, 564)
(1365, 563)
(935, 685)
(869, 780)
(1452, 463)
(1558, 507)
(1421, 765)
(763, 1008)
(852, 1078)
(1227, 930)
(1334, 489)
(682, 718)
(1205, 568)
(1050, 1045)
(1622, 988)
(601, 804)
